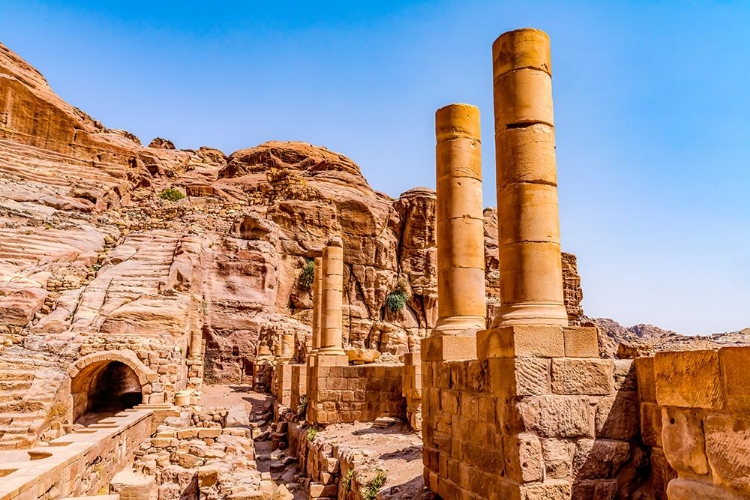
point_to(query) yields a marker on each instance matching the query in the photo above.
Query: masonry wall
(80, 463)
(355, 393)
(661, 472)
(165, 356)
(412, 389)
(541, 419)
(283, 386)
(299, 387)
(703, 398)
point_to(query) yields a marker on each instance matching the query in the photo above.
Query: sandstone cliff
(90, 253)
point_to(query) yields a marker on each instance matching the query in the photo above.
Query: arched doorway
(103, 389)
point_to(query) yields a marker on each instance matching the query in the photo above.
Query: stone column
(531, 291)
(287, 346)
(460, 221)
(317, 303)
(331, 343)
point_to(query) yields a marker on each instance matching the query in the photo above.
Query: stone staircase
(28, 386)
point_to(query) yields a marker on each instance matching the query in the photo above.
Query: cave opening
(103, 390)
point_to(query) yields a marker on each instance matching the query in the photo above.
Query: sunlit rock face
(89, 249)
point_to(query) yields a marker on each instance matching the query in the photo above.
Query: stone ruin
(119, 307)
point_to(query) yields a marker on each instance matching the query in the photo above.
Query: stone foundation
(537, 416)
(338, 394)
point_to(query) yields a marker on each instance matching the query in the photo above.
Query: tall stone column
(531, 290)
(331, 343)
(317, 303)
(460, 221)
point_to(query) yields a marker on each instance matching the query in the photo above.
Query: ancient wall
(694, 410)
(355, 393)
(283, 385)
(335, 471)
(551, 419)
(80, 463)
(299, 387)
(412, 389)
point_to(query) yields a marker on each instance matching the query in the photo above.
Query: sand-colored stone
(460, 221)
(521, 341)
(727, 439)
(331, 343)
(684, 443)
(529, 234)
(689, 379)
(317, 303)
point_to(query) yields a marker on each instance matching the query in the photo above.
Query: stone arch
(117, 378)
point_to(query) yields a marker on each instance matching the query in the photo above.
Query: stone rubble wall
(196, 454)
(333, 470)
(339, 394)
(703, 399)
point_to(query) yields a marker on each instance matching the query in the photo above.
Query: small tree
(171, 194)
(307, 276)
(397, 298)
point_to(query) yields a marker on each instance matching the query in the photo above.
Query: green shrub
(307, 276)
(372, 488)
(311, 433)
(171, 194)
(302, 408)
(348, 480)
(397, 298)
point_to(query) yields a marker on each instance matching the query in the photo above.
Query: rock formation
(88, 246)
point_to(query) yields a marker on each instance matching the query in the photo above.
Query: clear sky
(652, 107)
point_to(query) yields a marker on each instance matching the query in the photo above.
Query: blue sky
(651, 104)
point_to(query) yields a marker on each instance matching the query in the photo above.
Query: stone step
(21, 407)
(18, 419)
(16, 442)
(12, 395)
(16, 374)
(11, 385)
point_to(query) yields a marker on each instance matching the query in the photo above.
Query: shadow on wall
(103, 389)
(616, 463)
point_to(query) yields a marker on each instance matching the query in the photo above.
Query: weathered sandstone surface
(89, 248)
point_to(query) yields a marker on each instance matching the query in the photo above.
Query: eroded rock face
(88, 248)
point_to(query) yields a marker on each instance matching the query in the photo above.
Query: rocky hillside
(93, 242)
(616, 340)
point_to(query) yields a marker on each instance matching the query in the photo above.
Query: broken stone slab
(360, 355)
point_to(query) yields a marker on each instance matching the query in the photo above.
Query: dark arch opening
(103, 390)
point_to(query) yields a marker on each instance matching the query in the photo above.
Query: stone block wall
(703, 399)
(299, 386)
(650, 419)
(412, 389)
(361, 393)
(80, 463)
(537, 416)
(165, 356)
(283, 386)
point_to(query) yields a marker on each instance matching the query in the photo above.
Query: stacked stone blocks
(412, 389)
(703, 401)
(537, 414)
(356, 393)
